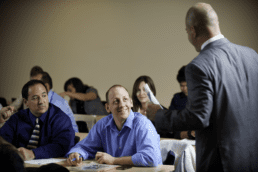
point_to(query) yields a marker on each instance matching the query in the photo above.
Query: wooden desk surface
(160, 168)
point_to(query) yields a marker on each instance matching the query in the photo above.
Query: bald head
(204, 20)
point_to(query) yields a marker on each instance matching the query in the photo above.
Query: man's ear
(107, 107)
(193, 31)
(25, 102)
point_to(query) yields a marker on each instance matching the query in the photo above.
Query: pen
(75, 158)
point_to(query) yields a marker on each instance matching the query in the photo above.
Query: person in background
(17, 104)
(140, 97)
(123, 137)
(83, 99)
(41, 131)
(56, 99)
(222, 98)
(10, 158)
(178, 102)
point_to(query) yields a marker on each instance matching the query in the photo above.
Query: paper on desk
(94, 167)
(191, 142)
(151, 95)
(44, 161)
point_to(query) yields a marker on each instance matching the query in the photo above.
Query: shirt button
(118, 134)
(119, 147)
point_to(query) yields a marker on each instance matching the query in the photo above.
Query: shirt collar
(217, 37)
(128, 122)
(41, 118)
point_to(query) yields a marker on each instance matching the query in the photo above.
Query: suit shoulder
(56, 112)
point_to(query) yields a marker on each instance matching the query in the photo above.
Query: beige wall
(108, 42)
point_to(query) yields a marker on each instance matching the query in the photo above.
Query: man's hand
(193, 133)
(76, 162)
(151, 111)
(5, 113)
(26, 153)
(103, 157)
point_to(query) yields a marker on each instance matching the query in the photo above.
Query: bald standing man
(222, 98)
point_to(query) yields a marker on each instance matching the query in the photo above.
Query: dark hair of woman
(136, 103)
(77, 84)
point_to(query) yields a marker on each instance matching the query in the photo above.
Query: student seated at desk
(179, 101)
(83, 99)
(123, 137)
(139, 96)
(41, 131)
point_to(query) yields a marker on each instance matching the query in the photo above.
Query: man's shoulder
(139, 119)
(57, 97)
(56, 112)
(105, 120)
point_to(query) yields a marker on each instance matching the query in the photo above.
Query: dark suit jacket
(222, 107)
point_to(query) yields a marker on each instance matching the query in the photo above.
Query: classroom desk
(160, 168)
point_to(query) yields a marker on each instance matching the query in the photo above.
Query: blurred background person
(140, 97)
(178, 102)
(83, 99)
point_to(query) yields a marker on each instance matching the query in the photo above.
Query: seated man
(123, 137)
(55, 99)
(42, 130)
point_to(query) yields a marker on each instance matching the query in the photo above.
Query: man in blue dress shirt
(56, 135)
(123, 137)
(56, 99)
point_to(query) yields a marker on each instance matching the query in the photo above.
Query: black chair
(76, 139)
(82, 126)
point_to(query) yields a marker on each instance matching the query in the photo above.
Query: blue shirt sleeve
(90, 145)
(70, 115)
(61, 141)
(148, 145)
(64, 106)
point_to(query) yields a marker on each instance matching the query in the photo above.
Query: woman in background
(140, 97)
(83, 99)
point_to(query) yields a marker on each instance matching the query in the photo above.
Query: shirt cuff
(80, 151)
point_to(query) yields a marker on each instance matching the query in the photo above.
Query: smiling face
(141, 93)
(119, 104)
(37, 100)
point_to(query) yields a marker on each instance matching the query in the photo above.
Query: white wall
(108, 42)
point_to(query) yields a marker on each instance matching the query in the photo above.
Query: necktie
(35, 136)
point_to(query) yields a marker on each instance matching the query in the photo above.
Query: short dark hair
(46, 79)
(35, 71)
(147, 80)
(77, 84)
(116, 85)
(181, 75)
(25, 89)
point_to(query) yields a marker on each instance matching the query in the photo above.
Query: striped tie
(34, 137)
